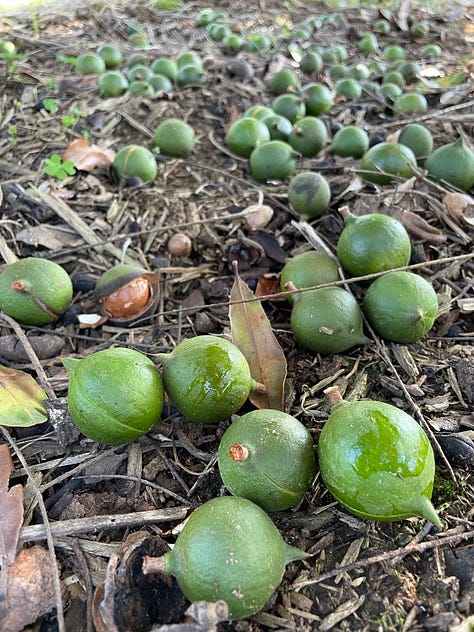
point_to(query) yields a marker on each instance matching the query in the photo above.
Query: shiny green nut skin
(401, 306)
(268, 457)
(207, 378)
(373, 243)
(115, 395)
(230, 549)
(389, 158)
(327, 320)
(377, 462)
(135, 161)
(34, 291)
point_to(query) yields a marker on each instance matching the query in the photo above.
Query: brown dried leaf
(87, 157)
(47, 236)
(30, 590)
(45, 346)
(460, 206)
(252, 334)
(11, 502)
(419, 227)
(268, 284)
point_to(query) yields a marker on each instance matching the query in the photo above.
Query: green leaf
(54, 166)
(68, 120)
(66, 60)
(168, 5)
(20, 399)
(50, 105)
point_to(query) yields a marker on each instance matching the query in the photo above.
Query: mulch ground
(103, 507)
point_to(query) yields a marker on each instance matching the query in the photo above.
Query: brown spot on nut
(238, 452)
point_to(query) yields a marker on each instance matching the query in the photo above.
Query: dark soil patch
(173, 469)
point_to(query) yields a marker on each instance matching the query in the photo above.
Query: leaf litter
(206, 197)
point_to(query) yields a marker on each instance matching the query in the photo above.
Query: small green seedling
(50, 105)
(68, 120)
(55, 167)
(66, 60)
(12, 134)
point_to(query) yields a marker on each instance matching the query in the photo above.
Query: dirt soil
(104, 507)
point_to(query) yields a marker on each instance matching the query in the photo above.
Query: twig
(65, 212)
(75, 526)
(47, 532)
(429, 115)
(383, 557)
(42, 377)
(374, 275)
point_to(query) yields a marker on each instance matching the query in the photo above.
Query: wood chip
(342, 612)
(71, 218)
(350, 556)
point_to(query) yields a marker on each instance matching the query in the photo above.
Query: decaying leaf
(419, 227)
(252, 334)
(50, 237)
(460, 206)
(45, 346)
(20, 399)
(403, 13)
(87, 157)
(30, 590)
(11, 502)
(127, 600)
(267, 285)
(206, 615)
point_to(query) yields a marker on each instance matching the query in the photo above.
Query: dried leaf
(402, 18)
(87, 157)
(11, 502)
(253, 335)
(268, 284)
(45, 346)
(46, 236)
(418, 226)
(30, 590)
(270, 244)
(340, 613)
(20, 399)
(456, 95)
(460, 206)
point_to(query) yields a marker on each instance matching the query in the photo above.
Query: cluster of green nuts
(229, 548)
(138, 75)
(401, 306)
(274, 137)
(173, 137)
(374, 458)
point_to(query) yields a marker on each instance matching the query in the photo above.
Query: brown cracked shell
(126, 293)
